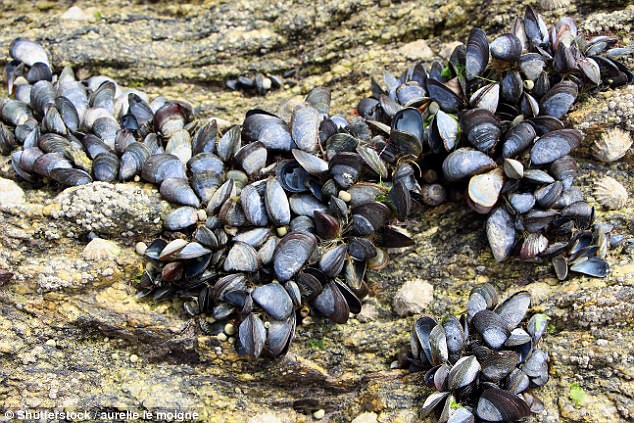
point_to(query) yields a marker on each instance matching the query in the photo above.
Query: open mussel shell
(591, 266)
(492, 327)
(484, 189)
(433, 401)
(420, 341)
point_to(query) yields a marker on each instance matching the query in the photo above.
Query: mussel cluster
(277, 220)
(295, 213)
(487, 127)
(259, 83)
(484, 363)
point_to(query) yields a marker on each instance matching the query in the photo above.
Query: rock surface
(70, 328)
(413, 297)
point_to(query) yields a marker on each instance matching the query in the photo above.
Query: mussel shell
(105, 167)
(161, 166)
(492, 327)
(252, 157)
(28, 51)
(369, 217)
(345, 168)
(280, 336)
(253, 206)
(555, 145)
(514, 309)
(484, 189)
(251, 336)
(466, 162)
(274, 299)
(229, 143)
(522, 202)
(292, 252)
(70, 177)
(547, 195)
(558, 100)
(180, 218)
(305, 127)
(332, 260)
(464, 372)
(205, 161)
(481, 128)
(276, 202)
(443, 95)
(331, 303)
(507, 47)
(499, 365)
(205, 138)
(486, 97)
(477, 55)
(532, 65)
(498, 405)
(177, 190)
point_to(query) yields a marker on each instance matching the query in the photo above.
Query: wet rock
(98, 323)
(413, 297)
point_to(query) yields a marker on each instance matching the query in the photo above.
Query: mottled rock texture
(72, 334)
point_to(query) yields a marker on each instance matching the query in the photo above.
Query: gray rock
(10, 193)
(413, 297)
(366, 418)
(417, 50)
(121, 210)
